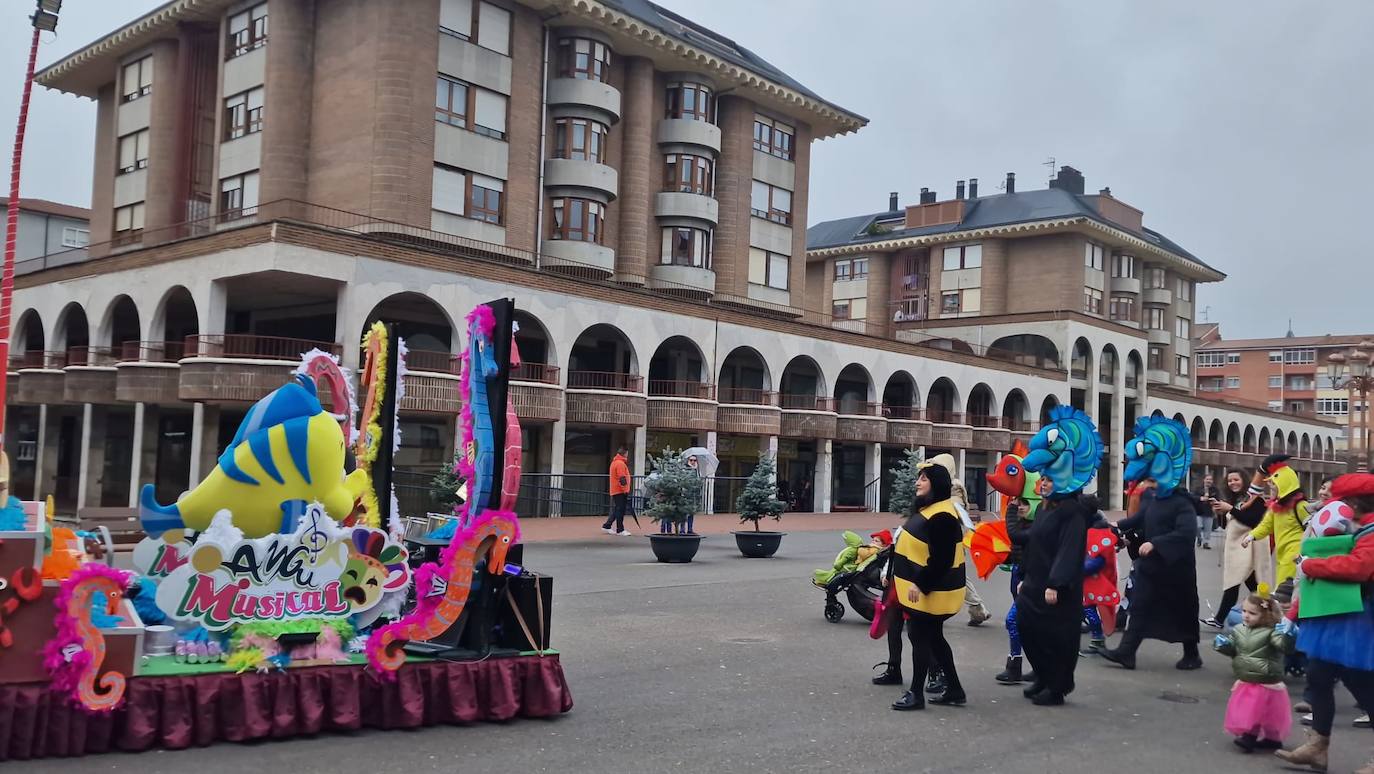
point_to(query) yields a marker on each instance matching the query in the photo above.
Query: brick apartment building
(271, 177)
(1287, 374)
(49, 228)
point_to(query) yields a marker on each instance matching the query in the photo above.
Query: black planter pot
(758, 545)
(674, 548)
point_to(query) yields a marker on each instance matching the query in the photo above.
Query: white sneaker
(1362, 721)
(624, 533)
(1306, 720)
(608, 530)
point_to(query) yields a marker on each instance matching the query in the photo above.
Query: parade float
(284, 594)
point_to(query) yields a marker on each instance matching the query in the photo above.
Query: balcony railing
(983, 420)
(943, 417)
(1019, 425)
(806, 402)
(432, 361)
(152, 351)
(535, 372)
(748, 396)
(672, 388)
(903, 412)
(90, 356)
(605, 380)
(247, 346)
(859, 408)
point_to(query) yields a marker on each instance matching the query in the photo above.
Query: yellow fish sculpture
(286, 454)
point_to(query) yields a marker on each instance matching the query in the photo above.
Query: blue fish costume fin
(157, 519)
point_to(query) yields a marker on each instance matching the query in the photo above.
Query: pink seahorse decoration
(75, 654)
(510, 478)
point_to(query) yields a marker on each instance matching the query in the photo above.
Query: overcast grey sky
(1243, 128)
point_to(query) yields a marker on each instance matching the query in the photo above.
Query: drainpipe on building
(543, 126)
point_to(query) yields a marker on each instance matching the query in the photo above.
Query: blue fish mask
(1161, 449)
(1067, 450)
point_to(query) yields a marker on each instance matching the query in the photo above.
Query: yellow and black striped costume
(942, 593)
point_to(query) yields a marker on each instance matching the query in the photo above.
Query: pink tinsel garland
(66, 675)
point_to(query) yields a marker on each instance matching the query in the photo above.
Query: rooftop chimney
(1011, 182)
(959, 189)
(927, 196)
(973, 188)
(1105, 192)
(1068, 179)
(892, 202)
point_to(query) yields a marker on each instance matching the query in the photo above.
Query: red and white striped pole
(12, 231)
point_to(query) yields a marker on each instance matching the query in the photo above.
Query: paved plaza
(728, 665)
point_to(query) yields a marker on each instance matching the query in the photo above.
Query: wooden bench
(124, 527)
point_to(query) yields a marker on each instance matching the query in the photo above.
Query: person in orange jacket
(620, 495)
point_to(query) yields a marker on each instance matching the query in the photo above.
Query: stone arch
(1048, 403)
(1330, 448)
(73, 329)
(744, 377)
(1265, 445)
(1107, 364)
(901, 396)
(1305, 448)
(803, 383)
(1249, 443)
(1292, 446)
(603, 357)
(982, 405)
(1216, 435)
(942, 403)
(678, 368)
(120, 327)
(27, 335)
(429, 332)
(536, 346)
(1135, 366)
(1233, 437)
(853, 389)
(1198, 431)
(1016, 410)
(1028, 349)
(1081, 364)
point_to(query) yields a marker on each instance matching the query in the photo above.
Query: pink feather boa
(66, 675)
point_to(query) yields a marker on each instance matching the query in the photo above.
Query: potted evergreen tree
(758, 500)
(672, 494)
(902, 497)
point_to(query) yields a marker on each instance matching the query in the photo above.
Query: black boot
(1247, 742)
(953, 694)
(1191, 659)
(1032, 690)
(892, 674)
(1047, 698)
(1012, 674)
(1119, 657)
(936, 684)
(911, 700)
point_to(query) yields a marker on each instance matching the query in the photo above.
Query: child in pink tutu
(1258, 712)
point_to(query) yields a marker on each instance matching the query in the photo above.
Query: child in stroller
(857, 572)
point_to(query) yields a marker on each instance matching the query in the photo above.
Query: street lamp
(1358, 381)
(44, 20)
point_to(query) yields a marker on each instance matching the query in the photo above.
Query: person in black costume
(1163, 597)
(1049, 602)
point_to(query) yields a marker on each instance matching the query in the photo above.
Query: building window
(769, 269)
(243, 114)
(770, 202)
(1093, 255)
(1333, 406)
(128, 223)
(860, 269)
(1211, 359)
(963, 257)
(1154, 318)
(133, 151)
(1123, 266)
(691, 101)
(75, 237)
(587, 60)
(1299, 382)
(1184, 289)
(1233, 382)
(1181, 367)
(685, 173)
(247, 30)
(579, 138)
(773, 137)
(137, 80)
(448, 192)
(1155, 359)
(1155, 278)
(1123, 308)
(1232, 357)
(1299, 356)
(238, 196)
(1276, 405)
(1183, 328)
(1092, 301)
(684, 246)
(484, 198)
(842, 270)
(1276, 382)
(1210, 385)
(485, 24)
(578, 220)
(468, 107)
(950, 303)
(455, 18)
(1276, 356)
(840, 310)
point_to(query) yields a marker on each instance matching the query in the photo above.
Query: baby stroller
(862, 587)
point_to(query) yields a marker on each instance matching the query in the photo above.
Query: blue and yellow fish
(1067, 450)
(1162, 449)
(286, 454)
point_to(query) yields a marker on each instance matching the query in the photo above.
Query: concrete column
(712, 437)
(961, 457)
(136, 455)
(290, 69)
(40, 453)
(873, 469)
(83, 474)
(94, 433)
(1120, 432)
(197, 440)
(557, 438)
(734, 185)
(823, 486)
(636, 170)
(348, 330)
(641, 445)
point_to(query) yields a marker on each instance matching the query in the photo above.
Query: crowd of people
(1063, 580)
